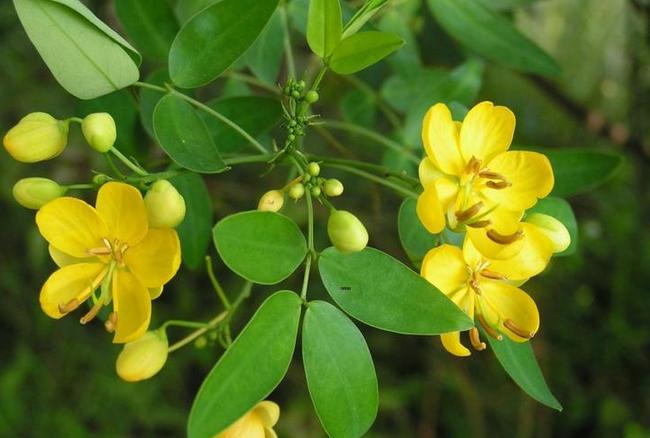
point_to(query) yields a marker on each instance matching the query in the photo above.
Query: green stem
(310, 245)
(187, 324)
(215, 283)
(291, 66)
(263, 158)
(367, 166)
(369, 176)
(79, 186)
(210, 325)
(150, 87)
(128, 163)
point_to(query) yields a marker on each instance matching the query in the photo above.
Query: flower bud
(142, 358)
(551, 228)
(296, 191)
(99, 131)
(333, 187)
(36, 192)
(346, 232)
(313, 169)
(165, 206)
(312, 96)
(273, 200)
(37, 137)
(315, 191)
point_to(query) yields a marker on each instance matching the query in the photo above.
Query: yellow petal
(268, 412)
(62, 259)
(155, 292)
(552, 228)
(132, 304)
(440, 139)
(445, 268)
(71, 226)
(451, 342)
(122, 208)
(429, 210)
(530, 175)
(70, 282)
(269, 433)
(428, 172)
(247, 426)
(511, 303)
(156, 259)
(447, 189)
(505, 223)
(486, 131)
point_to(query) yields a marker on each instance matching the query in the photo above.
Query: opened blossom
(256, 423)
(108, 255)
(473, 183)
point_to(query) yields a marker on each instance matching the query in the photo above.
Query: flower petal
(530, 175)
(428, 172)
(132, 304)
(552, 228)
(71, 225)
(511, 303)
(122, 208)
(445, 268)
(156, 259)
(155, 292)
(247, 426)
(268, 412)
(62, 259)
(504, 222)
(487, 130)
(440, 139)
(429, 210)
(70, 282)
(269, 433)
(451, 342)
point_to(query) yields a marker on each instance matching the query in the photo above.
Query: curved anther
(480, 224)
(475, 287)
(475, 339)
(462, 216)
(69, 306)
(514, 328)
(504, 239)
(498, 185)
(488, 328)
(111, 322)
(493, 275)
(473, 166)
(92, 313)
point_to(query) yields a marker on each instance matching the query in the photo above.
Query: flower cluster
(475, 185)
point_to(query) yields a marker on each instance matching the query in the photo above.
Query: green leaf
(260, 246)
(324, 26)
(416, 240)
(150, 98)
(184, 137)
(562, 211)
(264, 58)
(340, 373)
(250, 368)
(196, 229)
(254, 114)
(359, 107)
(518, 360)
(380, 291)
(362, 50)
(491, 35)
(213, 39)
(505, 4)
(185, 9)
(150, 23)
(85, 56)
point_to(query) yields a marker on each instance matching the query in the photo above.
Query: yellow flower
(256, 423)
(107, 254)
(472, 182)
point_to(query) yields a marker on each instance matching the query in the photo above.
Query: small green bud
(296, 191)
(333, 187)
(165, 206)
(295, 94)
(315, 191)
(273, 200)
(36, 137)
(201, 342)
(100, 131)
(312, 96)
(346, 232)
(291, 137)
(101, 179)
(36, 192)
(313, 169)
(142, 358)
(301, 85)
(306, 177)
(292, 123)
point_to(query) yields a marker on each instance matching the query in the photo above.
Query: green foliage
(415, 239)
(324, 26)
(362, 50)
(250, 369)
(265, 55)
(339, 369)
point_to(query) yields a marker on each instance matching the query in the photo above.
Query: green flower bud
(273, 200)
(37, 137)
(165, 206)
(301, 85)
(36, 192)
(315, 191)
(296, 191)
(142, 358)
(333, 187)
(312, 96)
(101, 179)
(346, 232)
(100, 131)
(551, 228)
(201, 342)
(295, 94)
(313, 169)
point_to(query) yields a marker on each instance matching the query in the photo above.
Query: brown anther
(480, 224)
(473, 166)
(462, 216)
(488, 174)
(488, 328)
(111, 322)
(504, 239)
(514, 328)
(475, 287)
(498, 185)
(92, 313)
(475, 339)
(493, 275)
(69, 306)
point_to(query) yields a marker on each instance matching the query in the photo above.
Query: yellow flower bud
(99, 131)
(142, 358)
(258, 422)
(165, 206)
(36, 192)
(313, 169)
(273, 200)
(553, 229)
(333, 187)
(296, 191)
(37, 137)
(346, 232)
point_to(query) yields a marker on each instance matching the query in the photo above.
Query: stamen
(92, 313)
(462, 216)
(498, 185)
(111, 322)
(475, 339)
(480, 224)
(514, 328)
(488, 174)
(505, 239)
(488, 328)
(493, 275)
(102, 250)
(107, 243)
(69, 306)
(473, 166)
(474, 285)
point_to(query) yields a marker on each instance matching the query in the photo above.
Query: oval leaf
(518, 360)
(380, 291)
(184, 137)
(579, 171)
(215, 38)
(562, 211)
(416, 240)
(265, 56)
(362, 50)
(250, 368)
(324, 26)
(88, 61)
(260, 246)
(491, 35)
(340, 373)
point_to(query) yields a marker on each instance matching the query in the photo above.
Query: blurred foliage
(57, 378)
